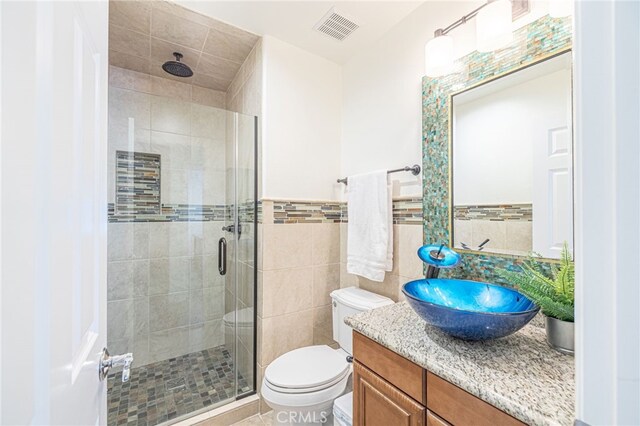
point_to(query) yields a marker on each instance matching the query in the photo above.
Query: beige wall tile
(284, 333)
(127, 104)
(125, 60)
(519, 236)
(286, 290)
(325, 243)
(245, 284)
(210, 97)
(215, 83)
(168, 311)
(128, 79)
(346, 279)
(260, 290)
(133, 15)
(343, 242)
(286, 246)
(208, 122)
(496, 231)
(267, 212)
(326, 278)
(170, 115)
(390, 287)
(259, 345)
(323, 326)
(171, 89)
(462, 233)
(129, 42)
(174, 149)
(234, 47)
(407, 239)
(181, 31)
(220, 68)
(182, 12)
(168, 343)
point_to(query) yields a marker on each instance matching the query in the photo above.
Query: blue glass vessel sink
(469, 310)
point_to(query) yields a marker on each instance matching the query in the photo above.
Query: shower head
(176, 67)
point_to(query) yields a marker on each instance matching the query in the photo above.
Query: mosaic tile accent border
(502, 212)
(173, 213)
(137, 183)
(186, 213)
(307, 212)
(406, 211)
(533, 42)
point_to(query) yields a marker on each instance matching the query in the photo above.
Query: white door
(53, 223)
(553, 179)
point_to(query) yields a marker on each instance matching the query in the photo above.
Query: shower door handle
(222, 256)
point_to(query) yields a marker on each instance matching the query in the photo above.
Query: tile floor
(168, 389)
(258, 420)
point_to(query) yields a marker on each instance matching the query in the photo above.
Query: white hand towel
(370, 226)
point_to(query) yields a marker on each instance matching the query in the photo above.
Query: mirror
(511, 162)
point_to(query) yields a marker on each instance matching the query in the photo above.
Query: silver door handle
(107, 361)
(222, 256)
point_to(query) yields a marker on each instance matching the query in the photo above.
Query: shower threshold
(169, 389)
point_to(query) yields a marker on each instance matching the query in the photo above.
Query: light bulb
(493, 26)
(438, 56)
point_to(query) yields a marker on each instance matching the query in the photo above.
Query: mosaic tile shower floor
(168, 389)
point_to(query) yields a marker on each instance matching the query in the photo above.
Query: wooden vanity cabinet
(390, 390)
(381, 404)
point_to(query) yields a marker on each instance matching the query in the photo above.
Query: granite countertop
(520, 374)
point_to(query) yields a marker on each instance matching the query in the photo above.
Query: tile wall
(144, 34)
(407, 239)
(509, 228)
(298, 266)
(165, 296)
(302, 259)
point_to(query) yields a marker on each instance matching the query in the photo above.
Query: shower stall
(181, 255)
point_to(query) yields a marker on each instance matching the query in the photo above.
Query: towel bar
(415, 170)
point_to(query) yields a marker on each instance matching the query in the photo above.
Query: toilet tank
(349, 301)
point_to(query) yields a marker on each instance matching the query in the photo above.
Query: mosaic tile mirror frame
(535, 42)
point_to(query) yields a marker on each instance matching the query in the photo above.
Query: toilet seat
(308, 369)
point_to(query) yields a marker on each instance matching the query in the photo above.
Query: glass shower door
(178, 179)
(240, 240)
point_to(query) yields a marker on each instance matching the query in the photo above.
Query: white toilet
(301, 385)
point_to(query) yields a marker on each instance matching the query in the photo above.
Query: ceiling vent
(336, 25)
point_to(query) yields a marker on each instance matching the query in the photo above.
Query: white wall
(495, 136)
(607, 156)
(301, 123)
(382, 112)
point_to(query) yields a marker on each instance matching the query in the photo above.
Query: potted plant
(552, 289)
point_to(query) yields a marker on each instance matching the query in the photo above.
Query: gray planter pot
(560, 335)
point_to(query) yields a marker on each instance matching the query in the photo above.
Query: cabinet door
(378, 403)
(433, 420)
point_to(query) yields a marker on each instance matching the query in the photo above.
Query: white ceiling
(293, 21)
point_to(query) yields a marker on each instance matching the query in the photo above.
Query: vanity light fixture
(494, 31)
(438, 54)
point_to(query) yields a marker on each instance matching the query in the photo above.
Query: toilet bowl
(301, 385)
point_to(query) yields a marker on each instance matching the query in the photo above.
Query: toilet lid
(308, 367)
